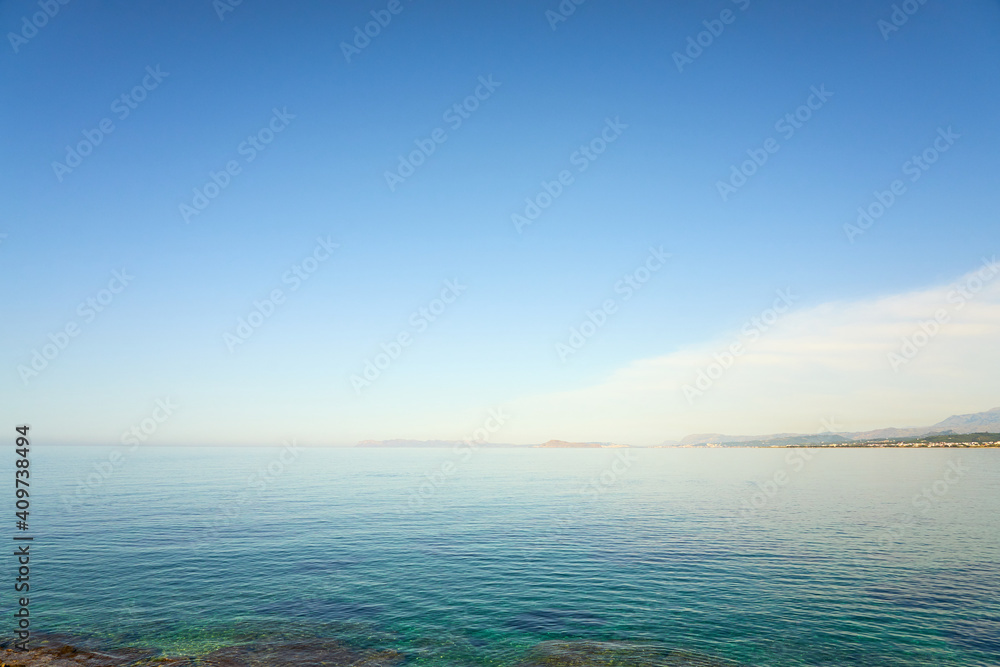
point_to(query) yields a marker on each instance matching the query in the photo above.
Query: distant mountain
(797, 440)
(885, 433)
(720, 439)
(408, 443)
(551, 444)
(979, 422)
(562, 444)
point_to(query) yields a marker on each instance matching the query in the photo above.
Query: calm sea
(758, 557)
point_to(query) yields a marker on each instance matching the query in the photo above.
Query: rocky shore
(59, 652)
(614, 654)
(55, 652)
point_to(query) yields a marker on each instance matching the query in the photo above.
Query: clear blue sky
(324, 176)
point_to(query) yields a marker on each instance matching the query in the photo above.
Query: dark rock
(615, 654)
(316, 653)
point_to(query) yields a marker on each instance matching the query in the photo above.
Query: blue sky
(496, 345)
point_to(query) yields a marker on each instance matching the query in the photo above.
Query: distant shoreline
(907, 445)
(933, 440)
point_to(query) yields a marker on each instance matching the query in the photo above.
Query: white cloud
(829, 360)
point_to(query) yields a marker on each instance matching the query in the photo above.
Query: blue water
(190, 549)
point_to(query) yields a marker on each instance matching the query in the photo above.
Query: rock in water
(615, 654)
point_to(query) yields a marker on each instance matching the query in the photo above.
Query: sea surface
(777, 557)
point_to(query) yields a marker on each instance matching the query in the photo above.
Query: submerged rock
(317, 653)
(615, 654)
(54, 653)
(313, 653)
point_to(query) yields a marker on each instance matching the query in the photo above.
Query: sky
(619, 222)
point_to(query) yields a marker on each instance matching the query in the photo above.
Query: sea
(520, 557)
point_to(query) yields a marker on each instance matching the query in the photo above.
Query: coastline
(839, 445)
(61, 651)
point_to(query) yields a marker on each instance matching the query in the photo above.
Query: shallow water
(189, 550)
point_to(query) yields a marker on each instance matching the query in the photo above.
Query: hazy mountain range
(551, 444)
(978, 422)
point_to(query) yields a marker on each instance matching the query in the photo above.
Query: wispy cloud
(906, 359)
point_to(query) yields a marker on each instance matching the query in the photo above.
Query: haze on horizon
(576, 248)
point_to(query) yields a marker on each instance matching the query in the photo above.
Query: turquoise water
(191, 549)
